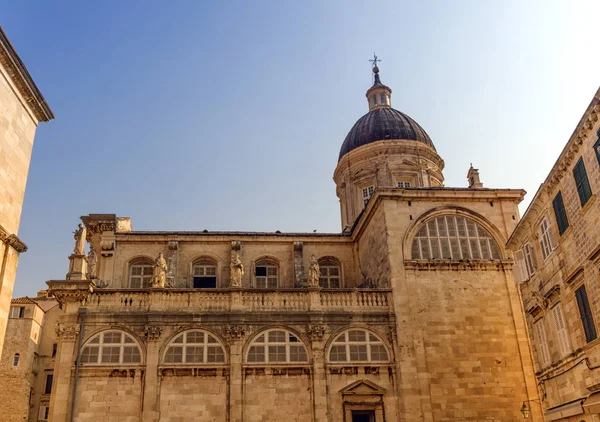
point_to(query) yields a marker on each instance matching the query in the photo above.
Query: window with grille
(330, 274)
(562, 334)
(585, 312)
(581, 181)
(140, 274)
(454, 237)
(530, 261)
(546, 242)
(195, 347)
(17, 312)
(111, 347)
(204, 275)
(542, 343)
(367, 193)
(403, 184)
(277, 346)
(357, 345)
(560, 213)
(266, 275)
(16, 359)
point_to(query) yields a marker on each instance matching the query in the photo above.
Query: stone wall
(184, 398)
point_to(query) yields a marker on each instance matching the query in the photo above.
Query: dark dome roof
(380, 124)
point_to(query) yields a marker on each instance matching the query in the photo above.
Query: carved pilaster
(172, 259)
(153, 332)
(235, 332)
(299, 264)
(67, 332)
(315, 332)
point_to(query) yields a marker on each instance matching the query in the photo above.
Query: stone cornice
(450, 265)
(560, 168)
(9, 59)
(12, 240)
(66, 291)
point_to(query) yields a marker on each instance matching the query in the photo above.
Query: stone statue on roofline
(92, 260)
(79, 236)
(313, 272)
(237, 271)
(159, 279)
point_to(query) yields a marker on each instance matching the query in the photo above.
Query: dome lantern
(379, 95)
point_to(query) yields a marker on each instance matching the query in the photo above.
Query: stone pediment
(363, 388)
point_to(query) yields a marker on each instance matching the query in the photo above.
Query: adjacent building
(557, 252)
(410, 313)
(22, 108)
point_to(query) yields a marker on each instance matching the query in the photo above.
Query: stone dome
(383, 123)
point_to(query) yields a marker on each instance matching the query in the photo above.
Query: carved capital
(315, 332)
(12, 240)
(67, 332)
(236, 245)
(298, 246)
(70, 290)
(153, 332)
(235, 332)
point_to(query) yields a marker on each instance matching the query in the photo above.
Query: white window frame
(17, 312)
(530, 262)
(564, 345)
(147, 267)
(199, 269)
(546, 242)
(404, 184)
(367, 193)
(208, 341)
(451, 237)
(263, 341)
(268, 281)
(542, 342)
(98, 341)
(344, 340)
(44, 412)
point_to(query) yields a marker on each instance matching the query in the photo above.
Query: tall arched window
(111, 347)
(454, 237)
(330, 273)
(140, 273)
(195, 346)
(266, 274)
(358, 345)
(277, 346)
(204, 274)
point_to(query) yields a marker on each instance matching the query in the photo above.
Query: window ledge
(588, 204)
(447, 264)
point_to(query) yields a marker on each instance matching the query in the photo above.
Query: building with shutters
(409, 313)
(557, 253)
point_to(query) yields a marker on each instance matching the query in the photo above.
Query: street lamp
(525, 410)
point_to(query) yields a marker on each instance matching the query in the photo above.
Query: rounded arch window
(454, 237)
(358, 345)
(195, 346)
(330, 276)
(140, 273)
(111, 347)
(204, 274)
(266, 274)
(277, 346)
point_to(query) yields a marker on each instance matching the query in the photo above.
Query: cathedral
(410, 313)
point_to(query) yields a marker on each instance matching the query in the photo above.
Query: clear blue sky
(230, 115)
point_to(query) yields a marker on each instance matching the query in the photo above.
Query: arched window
(195, 346)
(204, 274)
(331, 274)
(140, 273)
(277, 346)
(111, 347)
(16, 359)
(454, 237)
(358, 345)
(266, 274)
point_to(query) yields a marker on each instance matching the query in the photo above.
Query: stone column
(151, 387)
(316, 333)
(60, 402)
(107, 262)
(172, 266)
(299, 275)
(235, 336)
(77, 267)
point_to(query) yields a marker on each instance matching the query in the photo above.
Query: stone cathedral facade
(410, 313)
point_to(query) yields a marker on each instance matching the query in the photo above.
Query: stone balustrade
(243, 300)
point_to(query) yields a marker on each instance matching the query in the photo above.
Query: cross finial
(374, 60)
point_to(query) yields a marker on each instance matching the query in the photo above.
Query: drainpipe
(82, 314)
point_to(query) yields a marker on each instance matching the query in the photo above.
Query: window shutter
(520, 270)
(42, 413)
(544, 353)
(560, 213)
(563, 338)
(586, 314)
